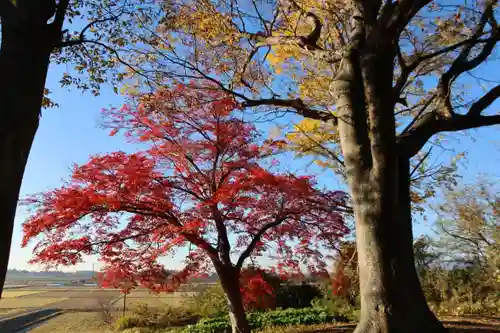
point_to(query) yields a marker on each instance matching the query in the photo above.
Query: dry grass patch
(73, 322)
(8, 312)
(20, 293)
(27, 302)
(151, 302)
(146, 293)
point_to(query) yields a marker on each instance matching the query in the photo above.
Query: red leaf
(200, 176)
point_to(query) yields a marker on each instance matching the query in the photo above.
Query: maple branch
(201, 243)
(248, 251)
(223, 245)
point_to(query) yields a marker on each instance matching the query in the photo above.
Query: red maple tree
(201, 181)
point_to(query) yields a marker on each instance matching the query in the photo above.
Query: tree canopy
(201, 181)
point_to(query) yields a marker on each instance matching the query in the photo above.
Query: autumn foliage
(258, 294)
(204, 179)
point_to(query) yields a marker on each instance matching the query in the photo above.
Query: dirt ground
(472, 324)
(91, 322)
(73, 322)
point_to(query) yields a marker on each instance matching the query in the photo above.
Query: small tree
(201, 181)
(345, 282)
(469, 233)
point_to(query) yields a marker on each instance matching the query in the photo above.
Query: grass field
(20, 293)
(73, 322)
(152, 302)
(83, 307)
(28, 302)
(138, 297)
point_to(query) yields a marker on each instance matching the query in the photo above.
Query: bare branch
(81, 37)
(403, 13)
(296, 104)
(485, 101)
(320, 145)
(407, 69)
(420, 162)
(411, 142)
(420, 113)
(461, 64)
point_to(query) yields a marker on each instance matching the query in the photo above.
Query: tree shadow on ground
(472, 324)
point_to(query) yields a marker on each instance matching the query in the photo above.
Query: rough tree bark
(391, 297)
(230, 281)
(27, 42)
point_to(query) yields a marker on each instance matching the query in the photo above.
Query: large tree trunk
(229, 277)
(391, 297)
(24, 61)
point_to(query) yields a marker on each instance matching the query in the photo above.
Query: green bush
(338, 306)
(296, 296)
(259, 320)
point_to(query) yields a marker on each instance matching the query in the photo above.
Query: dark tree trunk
(24, 61)
(229, 277)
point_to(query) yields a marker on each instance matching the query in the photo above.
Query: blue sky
(70, 133)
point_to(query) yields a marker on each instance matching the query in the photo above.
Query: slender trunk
(229, 277)
(24, 61)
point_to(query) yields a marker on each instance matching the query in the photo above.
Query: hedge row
(259, 320)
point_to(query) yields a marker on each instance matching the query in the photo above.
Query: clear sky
(70, 133)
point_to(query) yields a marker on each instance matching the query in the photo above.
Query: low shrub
(175, 316)
(127, 322)
(297, 329)
(460, 306)
(296, 296)
(146, 318)
(338, 306)
(208, 303)
(259, 320)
